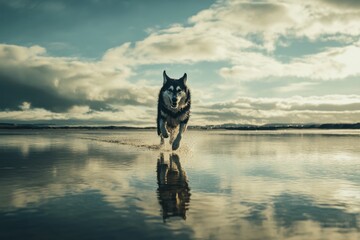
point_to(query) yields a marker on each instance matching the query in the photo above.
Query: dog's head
(175, 91)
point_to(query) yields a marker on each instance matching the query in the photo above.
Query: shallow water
(65, 184)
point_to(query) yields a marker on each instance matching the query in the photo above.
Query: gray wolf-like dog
(173, 109)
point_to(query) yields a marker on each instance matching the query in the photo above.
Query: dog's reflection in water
(173, 191)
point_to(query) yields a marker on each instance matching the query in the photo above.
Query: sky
(248, 62)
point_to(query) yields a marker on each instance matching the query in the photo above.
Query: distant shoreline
(207, 127)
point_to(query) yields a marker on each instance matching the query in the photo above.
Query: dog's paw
(175, 146)
(176, 143)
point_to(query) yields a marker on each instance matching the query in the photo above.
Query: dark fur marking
(176, 114)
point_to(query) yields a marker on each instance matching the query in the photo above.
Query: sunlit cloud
(244, 110)
(297, 109)
(331, 64)
(237, 31)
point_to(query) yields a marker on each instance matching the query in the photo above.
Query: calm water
(220, 185)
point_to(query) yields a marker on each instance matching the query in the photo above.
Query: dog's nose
(174, 100)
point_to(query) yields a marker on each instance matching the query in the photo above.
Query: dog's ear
(184, 78)
(165, 77)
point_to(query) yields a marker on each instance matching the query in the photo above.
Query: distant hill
(227, 126)
(52, 126)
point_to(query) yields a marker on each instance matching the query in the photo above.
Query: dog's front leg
(162, 140)
(163, 130)
(176, 143)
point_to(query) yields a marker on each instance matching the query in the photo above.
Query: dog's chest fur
(173, 119)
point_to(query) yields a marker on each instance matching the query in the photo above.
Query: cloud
(297, 109)
(38, 87)
(294, 87)
(331, 64)
(81, 115)
(179, 44)
(25, 106)
(244, 18)
(238, 32)
(28, 74)
(271, 19)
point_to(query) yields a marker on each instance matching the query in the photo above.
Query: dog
(173, 109)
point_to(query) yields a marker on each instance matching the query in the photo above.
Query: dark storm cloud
(13, 94)
(58, 84)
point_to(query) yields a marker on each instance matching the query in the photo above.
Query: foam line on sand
(132, 143)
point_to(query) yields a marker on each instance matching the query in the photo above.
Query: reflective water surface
(57, 184)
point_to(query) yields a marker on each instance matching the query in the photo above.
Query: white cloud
(84, 82)
(271, 19)
(31, 114)
(79, 109)
(268, 20)
(124, 115)
(297, 109)
(239, 31)
(179, 44)
(244, 110)
(333, 63)
(25, 106)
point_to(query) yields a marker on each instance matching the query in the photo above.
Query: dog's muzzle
(174, 103)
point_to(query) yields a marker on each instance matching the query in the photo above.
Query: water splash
(135, 143)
